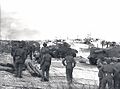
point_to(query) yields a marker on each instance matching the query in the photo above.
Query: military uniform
(70, 64)
(13, 53)
(117, 76)
(37, 56)
(45, 62)
(44, 50)
(45, 66)
(31, 51)
(108, 71)
(100, 63)
(20, 57)
(15, 46)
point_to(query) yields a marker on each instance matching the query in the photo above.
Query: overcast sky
(68, 18)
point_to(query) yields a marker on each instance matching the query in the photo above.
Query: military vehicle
(60, 50)
(96, 53)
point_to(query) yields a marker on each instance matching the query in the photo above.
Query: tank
(60, 51)
(96, 53)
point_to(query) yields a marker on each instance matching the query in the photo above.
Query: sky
(52, 19)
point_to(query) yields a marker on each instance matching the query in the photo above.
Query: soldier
(100, 63)
(70, 64)
(45, 62)
(31, 50)
(108, 71)
(37, 56)
(20, 57)
(117, 75)
(15, 45)
(44, 49)
(45, 66)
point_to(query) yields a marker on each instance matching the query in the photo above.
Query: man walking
(70, 64)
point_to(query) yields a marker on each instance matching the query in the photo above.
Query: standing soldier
(100, 63)
(15, 45)
(117, 75)
(70, 64)
(45, 62)
(44, 49)
(20, 57)
(108, 71)
(31, 50)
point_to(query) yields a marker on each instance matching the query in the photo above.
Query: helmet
(44, 44)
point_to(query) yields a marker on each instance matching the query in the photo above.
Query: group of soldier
(109, 67)
(21, 52)
(109, 72)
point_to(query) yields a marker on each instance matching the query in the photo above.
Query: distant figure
(70, 64)
(45, 62)
(20, 57)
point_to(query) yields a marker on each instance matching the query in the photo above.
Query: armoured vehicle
(96, 53)
(60, 50)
